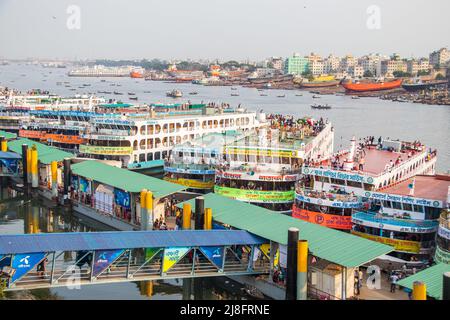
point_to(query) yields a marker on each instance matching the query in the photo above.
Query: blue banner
(122, 198)
(5, 261)
(218, 226)
(215, 255)
(23, 263)
(74, 182)
(10, 164)
(85, 185)
(103, 259)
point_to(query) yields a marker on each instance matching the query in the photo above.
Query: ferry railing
(378, 217)
(307, 192)
(190, 166)
(317, 294)
(444, 219)
(282, 169)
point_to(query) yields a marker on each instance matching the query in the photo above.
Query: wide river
(360, 117)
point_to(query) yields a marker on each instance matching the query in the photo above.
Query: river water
(360, 117)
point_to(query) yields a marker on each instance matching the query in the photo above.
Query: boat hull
(319, 84)
(421, 86)
(363, 87)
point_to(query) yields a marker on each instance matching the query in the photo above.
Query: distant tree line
(160, 65)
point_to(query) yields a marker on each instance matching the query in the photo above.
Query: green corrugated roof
(333, 245)
(124, 179)
(432, 277)
(7, 135)
(46, 154)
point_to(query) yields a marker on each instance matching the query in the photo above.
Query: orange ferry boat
(135, 74)
(373, 86)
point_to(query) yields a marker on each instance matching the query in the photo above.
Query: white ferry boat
(263, 168)
(140, 139)
(193, 164)
(332, 189)
(442, 253)
(406, 216)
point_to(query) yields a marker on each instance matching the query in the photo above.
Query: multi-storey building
(296, 65)
(439, 57)
(331, 64)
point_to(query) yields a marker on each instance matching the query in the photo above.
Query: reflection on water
(24, 215)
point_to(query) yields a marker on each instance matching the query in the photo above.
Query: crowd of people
(289, 123)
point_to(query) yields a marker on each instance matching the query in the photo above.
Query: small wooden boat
(316, 97)
(133, 98)
(235, 94)
(320, 106)
(281, 96)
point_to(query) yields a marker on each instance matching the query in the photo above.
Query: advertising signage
(262, 152)
(326, 220)
(256, 195)
(120, 151)
(403, 199)
(399, 245)
(330, 203)
(338, 175)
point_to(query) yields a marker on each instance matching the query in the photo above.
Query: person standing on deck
(361, 163)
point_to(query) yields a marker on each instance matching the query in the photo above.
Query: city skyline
(185, 31)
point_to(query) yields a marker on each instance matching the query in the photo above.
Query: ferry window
(285, 160)
(192, 154)
(180, 154)
(354, 184)
(164, 154)
(157, 155)
(432, 213)
(407, 207)
(149, 156)
(396, 205)
(368, 187)
(213, 154)
(417, 208)
(387, 204)
(142, 157)
(338, 181)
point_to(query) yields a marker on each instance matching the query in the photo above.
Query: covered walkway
(68, 259)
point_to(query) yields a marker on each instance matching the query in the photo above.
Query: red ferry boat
(372, 86)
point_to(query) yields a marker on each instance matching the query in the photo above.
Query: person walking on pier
(394, 279)
(41, 268)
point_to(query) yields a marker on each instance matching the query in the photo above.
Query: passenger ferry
(331, 189)
(140, 139)
(442, 253)
(17, 110)
(406, 215)
(263, 168)
(193, 163)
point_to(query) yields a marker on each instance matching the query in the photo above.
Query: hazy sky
(224, 29)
